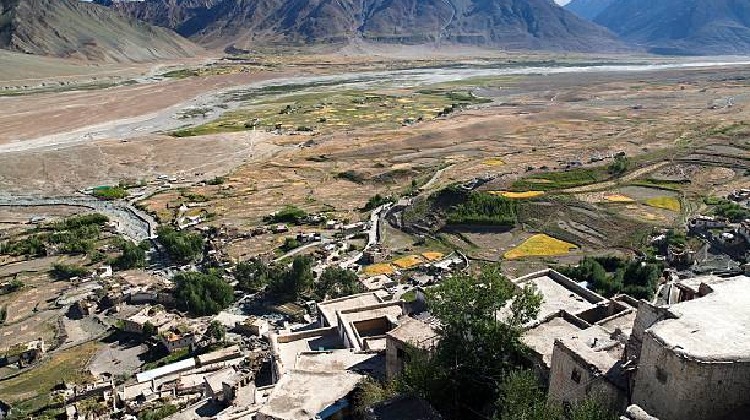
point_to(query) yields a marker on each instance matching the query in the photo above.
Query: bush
(351, 176)
(13, 286)
(732, 211)
(158, 413)
(289, 244)
(289, 214)
(376, 201)
(202, 294)
(74, 235)
(215, 181)
(67, 272)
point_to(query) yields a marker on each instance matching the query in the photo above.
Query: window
(575, 376)
(400, 353)
(661, 375)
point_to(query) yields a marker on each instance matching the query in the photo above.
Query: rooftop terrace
(715, 327)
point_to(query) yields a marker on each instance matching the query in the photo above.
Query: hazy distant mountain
(588, 9)
(536, 24)
(682, 26)
(70, 28)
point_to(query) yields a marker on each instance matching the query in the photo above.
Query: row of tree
(295, 282)
(611, 275)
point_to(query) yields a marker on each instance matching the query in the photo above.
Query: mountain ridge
(678, 27)
(512, 24)
(75, 29)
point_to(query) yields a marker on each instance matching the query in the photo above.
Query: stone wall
(676, 387)
(572, 380)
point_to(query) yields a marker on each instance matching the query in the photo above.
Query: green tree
(216, 331)
(133, 256)
(202, 294)
(13, 286)
(336, 282)
(611, 275)
(481, 321)
(253, 276)
(619, 166)
(522, 398)
(182, 247)
(294, 282)
(149, 330)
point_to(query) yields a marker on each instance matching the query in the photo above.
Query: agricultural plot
(540, 245)
(31, 389)
(561, 180)
(325, 111)
(518, 194)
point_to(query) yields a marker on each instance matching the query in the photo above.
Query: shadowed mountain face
(69, 28)
(588, 9)
(678, 26)
(536, 24)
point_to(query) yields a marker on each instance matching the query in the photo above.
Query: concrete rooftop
(559, 293)
(317, 381)
(329, 308)
(715, 327)
(541, 338)
(414, 332)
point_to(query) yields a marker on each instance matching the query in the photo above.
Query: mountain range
(515, 24)
(74, 29)
(127, 30)
(708, 27)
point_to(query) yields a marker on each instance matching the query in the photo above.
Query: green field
(561, 180)
(326, 111)
(30, 391)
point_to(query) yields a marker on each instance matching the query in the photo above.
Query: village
(252, 359)
(293, 257)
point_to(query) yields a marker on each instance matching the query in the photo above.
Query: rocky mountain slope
(536, 24)
(74, 29)
(588, 9)
(677, 26)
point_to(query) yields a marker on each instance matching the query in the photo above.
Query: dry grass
(618, 198)
(432, 256)
(494, 161)
(540, 245)
(665, 202)
(409, 261)
(378, 269)
(518, 194)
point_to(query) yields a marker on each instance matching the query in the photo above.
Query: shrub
(289, 244)
(289, 214)
(67, 272)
